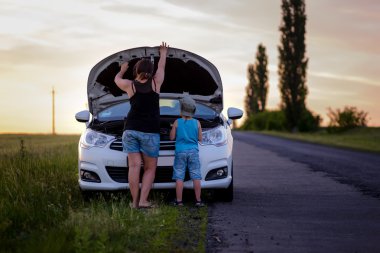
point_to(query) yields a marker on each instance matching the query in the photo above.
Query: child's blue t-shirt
(186, 135)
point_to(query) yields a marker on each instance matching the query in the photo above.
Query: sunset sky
(56, 43)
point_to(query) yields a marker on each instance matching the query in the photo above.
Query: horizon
(45, 46)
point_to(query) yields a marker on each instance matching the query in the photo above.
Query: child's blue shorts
(187, 159)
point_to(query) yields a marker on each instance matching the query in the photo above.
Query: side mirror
(234, 113)
(83, 116)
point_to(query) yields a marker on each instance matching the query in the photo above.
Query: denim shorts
(136, 141)
(187, 159)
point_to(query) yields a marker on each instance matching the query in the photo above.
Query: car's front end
(102, 163)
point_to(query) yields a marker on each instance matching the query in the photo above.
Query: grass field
(42, 209)
(365, 139)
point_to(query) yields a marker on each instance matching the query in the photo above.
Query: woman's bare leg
(150, 164)
(134, 163)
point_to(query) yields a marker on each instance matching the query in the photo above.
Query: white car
(103, 166)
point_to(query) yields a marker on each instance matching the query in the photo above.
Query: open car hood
(185, 73)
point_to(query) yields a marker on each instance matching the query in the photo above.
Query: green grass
(42, 209)
(365, 139)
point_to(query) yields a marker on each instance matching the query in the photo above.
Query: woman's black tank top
(144, 115)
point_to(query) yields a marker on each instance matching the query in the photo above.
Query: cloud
(331, 91)
(57, 44)
(350, 25)
(348, 78)
(27, 55)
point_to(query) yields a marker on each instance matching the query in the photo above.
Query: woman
(141, 138)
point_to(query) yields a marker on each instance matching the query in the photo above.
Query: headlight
(94, 139)
(216, 136)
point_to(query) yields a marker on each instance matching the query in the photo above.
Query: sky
(56, 45)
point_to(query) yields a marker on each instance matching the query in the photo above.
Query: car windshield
(168, 107)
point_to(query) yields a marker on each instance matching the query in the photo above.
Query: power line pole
(53, 118)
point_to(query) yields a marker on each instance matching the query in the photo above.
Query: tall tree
(261, 74)
(251, 105)
(293, 62)
(257, 88)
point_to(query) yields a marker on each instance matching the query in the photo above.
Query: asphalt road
(298, 197)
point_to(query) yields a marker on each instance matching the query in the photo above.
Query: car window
(171, 107)
(168, 107)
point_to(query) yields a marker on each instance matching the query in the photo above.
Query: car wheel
(227, 195)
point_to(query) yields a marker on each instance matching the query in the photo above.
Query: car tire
(227, 195)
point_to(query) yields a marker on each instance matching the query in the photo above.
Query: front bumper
(100, 160)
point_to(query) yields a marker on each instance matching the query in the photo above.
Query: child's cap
(187, 106)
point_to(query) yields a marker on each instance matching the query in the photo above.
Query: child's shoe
(199, 204)
(177, 203)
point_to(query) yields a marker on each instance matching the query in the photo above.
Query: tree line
(293, 114)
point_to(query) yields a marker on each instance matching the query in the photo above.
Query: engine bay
(116, 127)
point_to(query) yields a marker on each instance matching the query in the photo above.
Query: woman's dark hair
(144, 68)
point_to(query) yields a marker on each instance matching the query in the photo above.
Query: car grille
(117, 145)
(163, 174)
(164, 145)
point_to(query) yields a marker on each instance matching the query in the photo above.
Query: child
(187, 132)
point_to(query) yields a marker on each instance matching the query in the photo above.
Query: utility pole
(53, 107)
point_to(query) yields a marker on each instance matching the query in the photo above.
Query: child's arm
(173, 130)
(199, 132)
